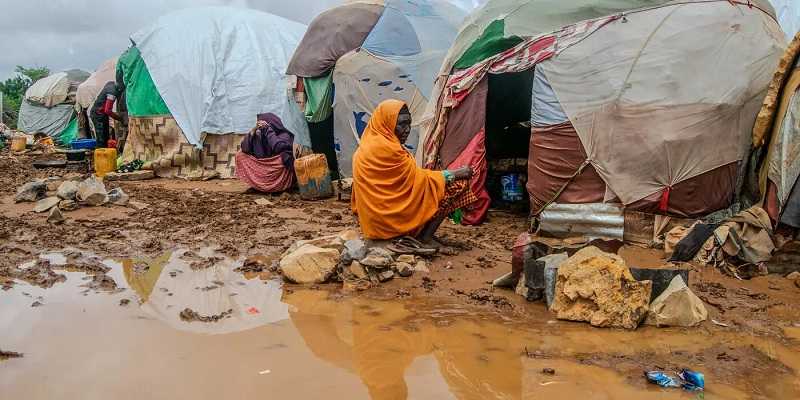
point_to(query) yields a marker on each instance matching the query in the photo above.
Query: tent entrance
(508, 115)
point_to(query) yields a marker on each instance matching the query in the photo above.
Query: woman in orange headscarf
(391, 195)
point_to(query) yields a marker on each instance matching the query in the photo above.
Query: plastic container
(18, 143)
(313, 177)
(88, 144)
(105, 161)
(512, 188)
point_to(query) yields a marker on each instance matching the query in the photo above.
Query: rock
(386, 275)
(92, 191)
(422, 266)
(548, 371)
(46, 204)
(677, 306)
(598, 288)
(793, 276)
(129, 176)
(310, 264)
(263, 202)
(407, 258)
(31, 191)
(354, 250)
(137, 205)
(327, 242)
(118, 197)
(403, 269)
(55, 217)
(53, 183)
(67, 190)
(358, 270)
(68, 205)
(379, 258)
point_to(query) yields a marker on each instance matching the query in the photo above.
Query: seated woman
(394, 197)
(266, 159)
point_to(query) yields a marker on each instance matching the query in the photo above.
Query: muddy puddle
(185, 325)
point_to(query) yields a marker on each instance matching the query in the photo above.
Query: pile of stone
(55, 195)
(345, 257)
(598, 287)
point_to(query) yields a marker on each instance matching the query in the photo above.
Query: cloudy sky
(64, 34)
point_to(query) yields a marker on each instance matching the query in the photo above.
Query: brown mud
(195, 275)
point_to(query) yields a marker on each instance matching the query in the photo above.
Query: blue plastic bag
(661, 379)
(693, 381)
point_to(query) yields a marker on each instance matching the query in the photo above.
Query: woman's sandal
(410, 245)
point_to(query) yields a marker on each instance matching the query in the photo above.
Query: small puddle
(262, 341)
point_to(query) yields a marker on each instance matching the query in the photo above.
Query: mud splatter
(189, 315)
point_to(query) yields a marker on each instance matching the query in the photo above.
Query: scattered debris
(129, 176)
(263, 202)
(137, 205)
(724, 325)
(118, 197)
(124, 302)
(548, 371)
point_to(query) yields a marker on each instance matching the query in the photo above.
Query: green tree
(14, 91)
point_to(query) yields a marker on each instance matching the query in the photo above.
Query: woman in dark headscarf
(266, 159)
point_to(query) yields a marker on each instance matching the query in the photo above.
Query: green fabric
(141, 94)
(319, 91)
(69, 133)
(492, 41)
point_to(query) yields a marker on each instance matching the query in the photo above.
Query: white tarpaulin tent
(788, 12)
(217, 68)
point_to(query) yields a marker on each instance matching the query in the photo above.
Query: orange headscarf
(391, 195)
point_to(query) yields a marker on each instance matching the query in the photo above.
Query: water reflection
(168, 285)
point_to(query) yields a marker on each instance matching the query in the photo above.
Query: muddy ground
(219, 215)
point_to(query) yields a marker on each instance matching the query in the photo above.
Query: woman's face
(403, 127)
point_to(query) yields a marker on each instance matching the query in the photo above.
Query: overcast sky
(64, 34)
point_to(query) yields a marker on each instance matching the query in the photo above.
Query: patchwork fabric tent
(356, 55)
(196, 79)
(49, 106)
(644, 103)
(777, 132)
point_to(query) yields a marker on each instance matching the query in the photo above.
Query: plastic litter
(661, 379)
(693, 380)
(687, 379)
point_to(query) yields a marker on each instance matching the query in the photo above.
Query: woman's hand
(261, 124)
(462, 173)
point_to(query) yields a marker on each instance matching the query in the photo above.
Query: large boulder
(598, 288)
(310, 264)
(677, 306)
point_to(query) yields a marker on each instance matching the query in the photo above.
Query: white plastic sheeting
(788, 12)
(217, 68)
(674, 89)
(49, 91)
(784, 165)
(362, 82)
(89, 89)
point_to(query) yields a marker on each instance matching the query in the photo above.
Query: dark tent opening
(508, 114)
(322, 141)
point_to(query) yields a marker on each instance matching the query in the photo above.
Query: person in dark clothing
(102, 110)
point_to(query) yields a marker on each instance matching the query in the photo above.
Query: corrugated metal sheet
(594, 220)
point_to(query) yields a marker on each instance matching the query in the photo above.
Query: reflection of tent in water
(196, 79)
(213, 291)
(650, 108)
(49, 106)
(380, 340)
(777, 132)
(356, 55)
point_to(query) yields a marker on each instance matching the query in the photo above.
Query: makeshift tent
(196, 79)
(89, 89)
(777, 131)
(788, 12)
(644, 103)
(356, 55)
(49, 106)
